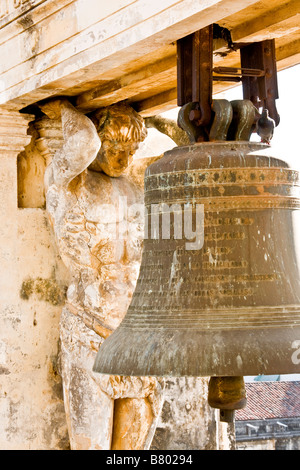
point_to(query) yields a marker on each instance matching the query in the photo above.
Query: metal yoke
(195, 75)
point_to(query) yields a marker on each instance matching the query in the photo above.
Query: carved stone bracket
(13, 132)
(13, 140)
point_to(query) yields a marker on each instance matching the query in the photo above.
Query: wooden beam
(120, 53)
(287, 55)
(157, 104)
(154, 79)
(97, 43)
(272, 23)
(153, 75)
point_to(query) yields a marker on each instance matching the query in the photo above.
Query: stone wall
(32, 290)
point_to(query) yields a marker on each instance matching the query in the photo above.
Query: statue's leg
(89, 410)
(138, 402)
(133, 418)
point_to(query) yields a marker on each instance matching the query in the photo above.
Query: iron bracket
(195, 75)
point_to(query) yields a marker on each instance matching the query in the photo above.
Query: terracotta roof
(271, 400)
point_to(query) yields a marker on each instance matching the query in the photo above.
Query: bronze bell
(227, 304)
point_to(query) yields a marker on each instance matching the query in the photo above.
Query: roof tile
(271, 400)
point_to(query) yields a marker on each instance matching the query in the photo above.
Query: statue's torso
(100, 242)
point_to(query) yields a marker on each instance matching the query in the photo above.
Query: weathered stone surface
(31, 169)
(186, 422)
(101, 246)
(31, 405)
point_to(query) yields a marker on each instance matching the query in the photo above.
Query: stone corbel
(13, 132)
(13, 140)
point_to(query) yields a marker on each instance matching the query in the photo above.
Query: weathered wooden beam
(46, 53)
(158, 103)
(287, 54)
(269, 24)
(80, 41)
(154, 75)
(159, 74)
(144, 80)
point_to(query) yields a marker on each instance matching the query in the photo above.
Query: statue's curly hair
(119, 122)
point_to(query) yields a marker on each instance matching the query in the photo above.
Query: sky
(286, 135)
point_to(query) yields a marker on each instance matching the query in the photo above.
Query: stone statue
(85, 183)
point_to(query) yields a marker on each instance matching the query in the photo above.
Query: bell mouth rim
(129, 352)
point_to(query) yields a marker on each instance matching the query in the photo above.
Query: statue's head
(121, 129)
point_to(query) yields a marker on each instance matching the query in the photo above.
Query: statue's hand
(81, 141)
(168, 127)
(53, 108)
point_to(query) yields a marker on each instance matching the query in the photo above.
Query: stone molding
(13, 132)
(10, 10)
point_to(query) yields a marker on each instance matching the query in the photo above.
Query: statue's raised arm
(81, 142)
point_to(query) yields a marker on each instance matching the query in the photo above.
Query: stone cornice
(10, 10)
